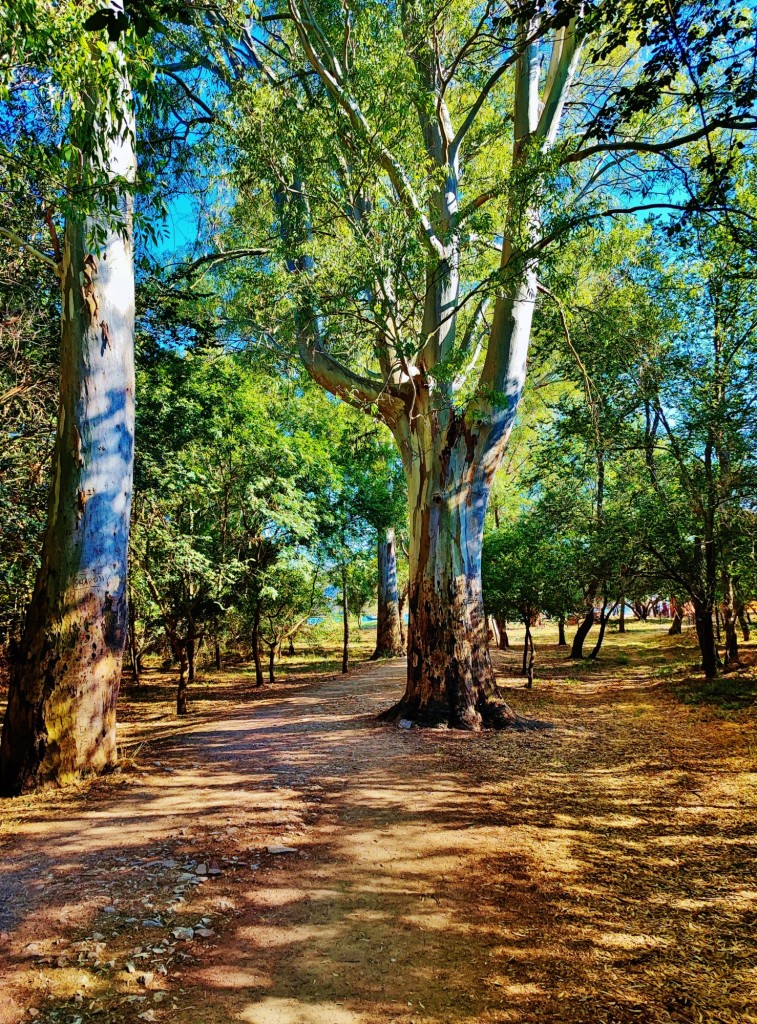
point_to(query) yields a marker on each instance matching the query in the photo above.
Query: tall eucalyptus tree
(413, 165)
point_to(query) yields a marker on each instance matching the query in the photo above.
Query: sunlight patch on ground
(293, 1011)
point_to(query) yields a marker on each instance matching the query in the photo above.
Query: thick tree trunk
(622, 619)
(61, 714)
(706, 636)
(388, 634)
(345, 623)
(561, 641)
(449, 675)
(217, 655)
(577, 650)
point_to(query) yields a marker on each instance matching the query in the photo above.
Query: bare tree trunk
(345, 622)
(741, 616)
(528, 655)
(677, 609)
(272, 663)
(191, 648)
(401, 611)
(449, 674)
(730, 621)
(504, 639)
(561, 641)
(181, 692)
(132, 643)
(604, 618)
(61, 714)
(388, 635)
(217, 655)
(622, 619)
(577, 650)
(706, 636)
(259, 680)
(527, 668)
(492, 630)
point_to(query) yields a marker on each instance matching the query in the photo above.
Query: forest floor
(602, 871)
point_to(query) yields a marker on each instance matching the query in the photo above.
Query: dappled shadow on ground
(599, 872)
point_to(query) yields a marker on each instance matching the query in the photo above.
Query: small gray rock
(405, 723)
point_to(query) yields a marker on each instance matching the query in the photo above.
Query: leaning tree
(411, 168)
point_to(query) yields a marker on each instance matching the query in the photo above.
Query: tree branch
(349, 106)
(48, 260)
(641, 146)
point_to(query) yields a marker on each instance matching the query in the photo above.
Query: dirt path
(600, 872)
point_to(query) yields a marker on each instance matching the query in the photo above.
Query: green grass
(731, 692)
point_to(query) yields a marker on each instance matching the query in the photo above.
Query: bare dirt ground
(601, 871)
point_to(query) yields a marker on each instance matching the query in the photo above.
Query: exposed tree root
(488, 713)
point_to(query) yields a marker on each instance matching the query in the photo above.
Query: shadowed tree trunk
(730, 622)
(61, 714)
(182, 695)
(504, 639)
(272, 663)
(132, 643)
(622, 619)
(401, 601)
(677, 609)
(388, 635)
(604, 618)
(577, 650)
(706, 635)
(527, 668)
(741, 616)
(345, 622)
(561, 641)
(259, 680)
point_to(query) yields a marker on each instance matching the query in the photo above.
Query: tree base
(489, 713)
(380, 655)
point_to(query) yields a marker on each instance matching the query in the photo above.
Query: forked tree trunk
(449, 673)
(61, 714)
(388, 634)
(577, 650)
(604, 618)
